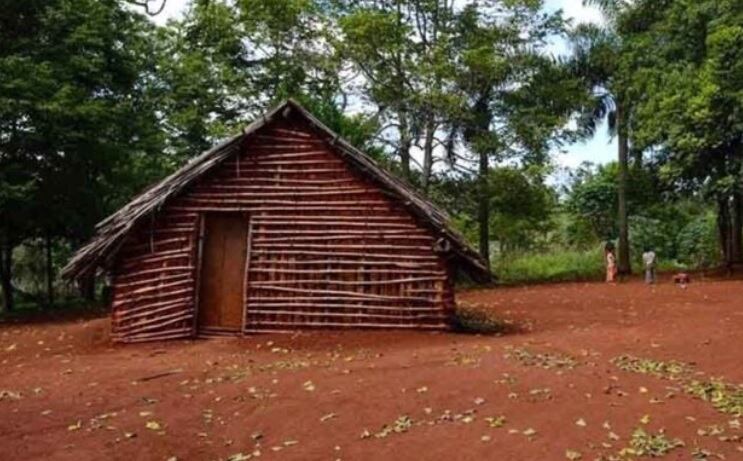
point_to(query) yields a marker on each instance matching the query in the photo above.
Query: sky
(600, 149)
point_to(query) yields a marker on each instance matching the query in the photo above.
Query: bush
(557, 266)
(697, 243)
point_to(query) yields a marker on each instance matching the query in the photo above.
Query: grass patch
(643, 444)
(725, 397)
(546, 360)
(556, 266)
(669, 370)
(561, 266)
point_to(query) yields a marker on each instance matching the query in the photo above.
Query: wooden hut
(281, 227)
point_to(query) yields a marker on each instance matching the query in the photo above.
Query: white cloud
(173, 9)
(575, 10)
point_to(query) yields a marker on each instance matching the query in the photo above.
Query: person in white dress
(649, 260)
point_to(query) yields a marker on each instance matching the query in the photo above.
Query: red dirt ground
(67, 394)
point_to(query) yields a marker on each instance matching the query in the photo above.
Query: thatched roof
(110, 232)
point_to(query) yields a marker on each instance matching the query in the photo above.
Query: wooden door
(222, 277)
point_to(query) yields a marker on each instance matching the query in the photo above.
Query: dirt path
(550, 392)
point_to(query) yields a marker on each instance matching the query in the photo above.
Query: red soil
(75, 396)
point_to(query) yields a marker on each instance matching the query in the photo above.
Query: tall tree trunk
(6, 274)
(723, 228)
(736, 228)
(624, 266)
(49, 270)
(483, 215)
(405, 144)
(428, 153)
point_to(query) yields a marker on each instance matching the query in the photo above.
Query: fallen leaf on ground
(76, 426)
(153, 425)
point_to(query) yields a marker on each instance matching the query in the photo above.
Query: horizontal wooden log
(289, 297)
(362, 219)
(309, 233)
(156, 322)
(139, 273)
(300, 171)
(260, 156)
(398, 257)
(142, 299)
(348, 315)
(358, 271)
(160, 287)
(294, 262)
(328, 246)
(255, 306)
(324, 282)
(156, 336)
(128, 316)
(284, 131)
(355, 237)
(311, 221)
(261, 162)
(350, 294)
(265, 325)
(256, 148)
(156, 243)
(154, 280)
(184, 302)
(160, 256)
(250, 196)
(150, 254)
(259, 189)
(298, 208)
(201, 199)
(284, 138)
(297, 182)
(174, 230)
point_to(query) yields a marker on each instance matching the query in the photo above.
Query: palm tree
(596, 57)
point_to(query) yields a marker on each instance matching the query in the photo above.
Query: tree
(402, 50)
(597, 59)
(685, 59)
(593, 196)
(74, 121)
(510, 93)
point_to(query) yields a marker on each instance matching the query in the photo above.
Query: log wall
(327, 248)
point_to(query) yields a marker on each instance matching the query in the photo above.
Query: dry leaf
(153, 425)
(76, 426)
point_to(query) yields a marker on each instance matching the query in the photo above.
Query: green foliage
(593, 197)
(552, 266)
(522, 206)
(697, 244)
(725, 397)
(644, 444)
(96, 102)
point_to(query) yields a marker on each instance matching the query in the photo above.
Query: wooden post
(246, 275)
(197, 274)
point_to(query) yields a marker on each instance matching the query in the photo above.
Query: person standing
(649, 260)
(611, 263)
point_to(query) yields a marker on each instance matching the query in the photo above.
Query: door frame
(246, 274)
(201, 236)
